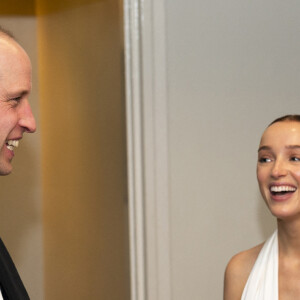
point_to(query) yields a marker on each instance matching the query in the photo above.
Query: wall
(233, 66)
(83, 150)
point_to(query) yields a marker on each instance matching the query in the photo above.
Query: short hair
(286, 118)
(6, 33)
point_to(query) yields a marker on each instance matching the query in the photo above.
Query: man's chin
(5, 170)
(5, 173)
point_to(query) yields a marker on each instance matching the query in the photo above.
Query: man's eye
(264, 159)
(17, 99)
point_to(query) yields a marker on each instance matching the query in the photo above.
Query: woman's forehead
(286, 131)
(284, 126)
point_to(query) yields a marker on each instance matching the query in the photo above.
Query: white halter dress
(262, 283)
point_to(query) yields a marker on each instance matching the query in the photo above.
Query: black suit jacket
(11, 284)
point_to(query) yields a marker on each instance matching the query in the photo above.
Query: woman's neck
(289, 237)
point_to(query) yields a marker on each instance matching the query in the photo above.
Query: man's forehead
(11, 51)
(9, 48)
(6, 42)
(15, 69)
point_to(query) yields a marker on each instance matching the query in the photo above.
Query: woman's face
(278, 169)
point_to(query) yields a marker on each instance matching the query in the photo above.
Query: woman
(271, 271)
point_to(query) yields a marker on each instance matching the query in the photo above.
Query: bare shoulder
(237, 272)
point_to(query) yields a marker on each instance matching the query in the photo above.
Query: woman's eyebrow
(287, 147)
(293, 147)
(264, 148)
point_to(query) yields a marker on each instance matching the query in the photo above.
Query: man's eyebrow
(23, 92)
(18, 93)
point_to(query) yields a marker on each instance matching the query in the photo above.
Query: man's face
(15, 112)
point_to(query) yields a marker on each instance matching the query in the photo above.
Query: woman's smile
(281, 191)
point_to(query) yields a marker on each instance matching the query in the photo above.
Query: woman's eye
(264, 159)
(295, 158)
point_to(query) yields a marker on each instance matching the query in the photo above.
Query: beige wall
(83, 151)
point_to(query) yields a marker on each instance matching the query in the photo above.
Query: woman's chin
(286, 215)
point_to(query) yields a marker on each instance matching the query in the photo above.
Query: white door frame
(147, 146)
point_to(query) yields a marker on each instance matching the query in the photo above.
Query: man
(15, 119)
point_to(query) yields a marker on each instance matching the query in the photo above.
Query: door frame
(147, 149)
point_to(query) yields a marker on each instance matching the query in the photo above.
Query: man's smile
(12, 144)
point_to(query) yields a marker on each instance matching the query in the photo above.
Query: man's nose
(279, 169)
(26, 118)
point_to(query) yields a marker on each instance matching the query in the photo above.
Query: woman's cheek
(297, 173)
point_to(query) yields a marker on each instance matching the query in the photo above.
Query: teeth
(11, 144)
(282, 188)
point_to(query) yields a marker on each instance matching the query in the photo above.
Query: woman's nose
(279, 169)
(26, 118)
